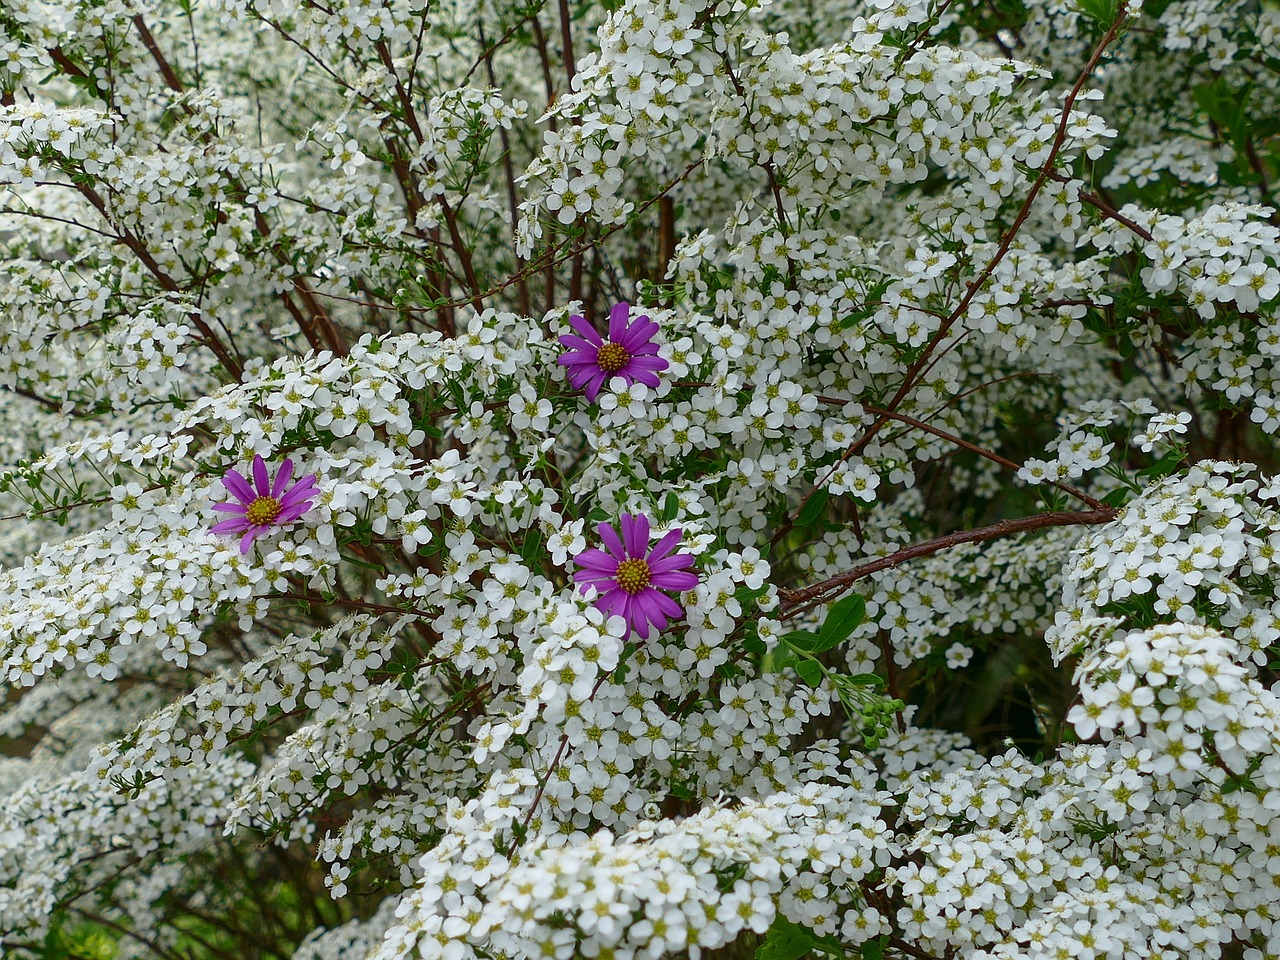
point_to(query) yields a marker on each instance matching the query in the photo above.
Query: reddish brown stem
(981, 451)
(795, 602)
(1006, 241)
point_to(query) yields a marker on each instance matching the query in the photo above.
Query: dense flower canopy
(894, 574)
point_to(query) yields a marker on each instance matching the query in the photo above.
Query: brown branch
(1259, 169)
(794, 602)
(508, 173)
(555, 762)
(566, 42)
(1006, 241)
(1105, 208)
(450, 217)
(784, 224)
(166, 69)
(320, 327)
(139, 250)
(980, 451)
(912, 376)
(68, 66)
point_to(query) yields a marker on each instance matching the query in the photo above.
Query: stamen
(612, 357)
(263, 510)
(633, 574)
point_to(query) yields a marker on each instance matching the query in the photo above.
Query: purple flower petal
(654, 364)
(635, 534)
(611, 541)
(282, 477)
(578, 360)
(290, 514)
(239, 487)
(304, 488)
(293, 500)
(668, 564)
(634, 616)
(261, 479)
(643, 606)
(596, 559)
(582, 358)
(593, 578)
(618, 321)
(612, 602)
(648, 378)
(674, 580)
(587, 330)
(638, 334)
(582, 374)
(665, 546)
(580, 344)
(662, 604)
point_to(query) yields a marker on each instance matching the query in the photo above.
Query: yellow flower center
(612, 357)
(263, 510)
(633, 575)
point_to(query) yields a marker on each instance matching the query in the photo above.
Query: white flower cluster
(660, 887)
(324, 276)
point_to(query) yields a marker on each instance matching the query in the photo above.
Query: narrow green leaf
(863, 679)
(1164, 466)
(781, 657)
(531, 550)
(670, 508)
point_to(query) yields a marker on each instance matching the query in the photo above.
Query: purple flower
(628, 575)
(629, 352)
(269, 505)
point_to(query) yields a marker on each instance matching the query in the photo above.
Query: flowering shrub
(723, 478)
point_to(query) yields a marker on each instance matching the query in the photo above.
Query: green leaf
(810, 672)
(843, 617)
(366, 564)
(1102, 12)
(873, 949)
(862, 679)
(1116, 498)
(531, 550)
(1164, 466)
(814, 508)
(785, 941)
(803, 641)
(871, 303)
(753, 645)
(670, 508)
